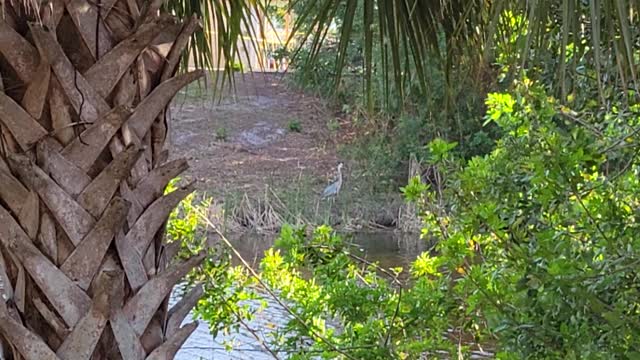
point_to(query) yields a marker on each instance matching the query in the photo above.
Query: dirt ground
(243, 141)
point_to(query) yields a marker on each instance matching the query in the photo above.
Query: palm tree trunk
(84, 91)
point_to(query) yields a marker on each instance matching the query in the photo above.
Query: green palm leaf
(410, 33)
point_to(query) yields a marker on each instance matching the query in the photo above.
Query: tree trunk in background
(84, 270)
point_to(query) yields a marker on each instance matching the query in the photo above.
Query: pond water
(388, 248)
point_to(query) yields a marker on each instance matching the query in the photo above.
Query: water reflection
(387, 248)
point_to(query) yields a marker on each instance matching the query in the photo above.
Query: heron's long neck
(340, 174)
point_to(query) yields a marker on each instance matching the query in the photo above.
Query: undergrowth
(356, 206)
(389, 133)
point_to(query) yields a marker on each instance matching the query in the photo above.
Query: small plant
(333, 125)
(237, 66)
(198, 90)
(281, 53)
(222, 134)
(294, 126)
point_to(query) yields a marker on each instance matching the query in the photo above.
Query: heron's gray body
(334, 188)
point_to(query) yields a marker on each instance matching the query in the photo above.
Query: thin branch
(391, 275)
(626, 167)
(631, 265)
(253, 332)
(576, 193)
(621, 140)
(393, 319)
(581, 122)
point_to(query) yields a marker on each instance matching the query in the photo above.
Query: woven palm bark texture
(84, 94)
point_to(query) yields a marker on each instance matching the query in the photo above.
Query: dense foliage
(537, 251)
(433, 82)
(393, 121)
(226, 287)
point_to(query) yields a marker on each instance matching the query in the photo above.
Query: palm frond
(229, 28)
(603, 35)
(407, 33)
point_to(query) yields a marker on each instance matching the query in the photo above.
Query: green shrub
(333, 125)
(237, 66)
(537, 254)
(222, 134)
(294, 126)
(534, 233)
(225, 286)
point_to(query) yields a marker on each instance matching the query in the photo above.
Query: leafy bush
(338, 311)
(226, 288)
(281, 53)
(541, 238)
(222, 134)
(294, 126)
(394, 129)
(237, 66)
(318, 77)
(537, 255)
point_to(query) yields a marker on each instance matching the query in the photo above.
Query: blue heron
(334, 188)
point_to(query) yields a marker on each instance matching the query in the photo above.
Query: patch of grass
(222, 134)
(294, 126)
(299, 203)
(199, 90)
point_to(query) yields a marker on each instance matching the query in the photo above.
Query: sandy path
(259, 148)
